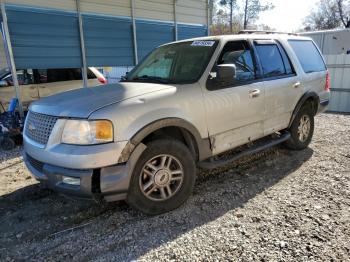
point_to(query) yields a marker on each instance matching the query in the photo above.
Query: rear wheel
(302, 129)
(163, 177)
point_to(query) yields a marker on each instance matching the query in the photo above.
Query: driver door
(235, 110)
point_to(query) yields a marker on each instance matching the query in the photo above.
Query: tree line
(232, 16)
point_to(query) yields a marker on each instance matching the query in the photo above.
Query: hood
(81, 103)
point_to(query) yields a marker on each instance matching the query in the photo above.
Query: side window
(271, 60)
(25, 77)
(59, 75)
(239, 53)
(286, 61)
(308, 55)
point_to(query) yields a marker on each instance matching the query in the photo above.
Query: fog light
(71, 180)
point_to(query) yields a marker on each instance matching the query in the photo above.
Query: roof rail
(263, 32)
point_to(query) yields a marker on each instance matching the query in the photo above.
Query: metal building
(335, 46)
(100, 33)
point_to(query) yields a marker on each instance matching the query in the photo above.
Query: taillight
(102, 80)
(328, 82)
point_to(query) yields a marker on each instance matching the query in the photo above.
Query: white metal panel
(108, 7)
(339, 69)
(55, 4)
(331, 42)
(337, 42)
(192, 11)
(155, 9)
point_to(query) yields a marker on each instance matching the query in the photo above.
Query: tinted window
(59, 75)
(308, 55)
(271, 60)
(239, 53)
(287, 64)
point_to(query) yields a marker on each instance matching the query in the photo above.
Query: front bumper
(97, 168)
(109, 183)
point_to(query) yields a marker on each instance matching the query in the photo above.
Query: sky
(288, 15)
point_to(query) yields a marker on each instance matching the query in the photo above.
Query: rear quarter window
(308, 55)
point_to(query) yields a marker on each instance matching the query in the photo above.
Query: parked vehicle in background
(188, 101)
(38, 83)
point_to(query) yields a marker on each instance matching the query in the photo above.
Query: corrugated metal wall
(335, 46)
(339, 69)
(41, 38)
(108, 40)
(45, 34)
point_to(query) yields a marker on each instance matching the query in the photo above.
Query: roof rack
(263, 32)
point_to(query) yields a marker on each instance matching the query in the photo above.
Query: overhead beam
(82, 45)
(9, 55)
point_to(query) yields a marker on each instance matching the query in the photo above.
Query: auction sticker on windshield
(203, 43)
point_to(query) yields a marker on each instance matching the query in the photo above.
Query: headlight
(83, 132)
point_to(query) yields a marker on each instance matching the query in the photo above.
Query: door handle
(42, 86)
(296, 85)
(254, 93)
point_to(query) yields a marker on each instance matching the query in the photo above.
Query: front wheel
(302, 129)
(163, 177)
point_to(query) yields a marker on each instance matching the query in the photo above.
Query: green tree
(329, 14)
(231, 4)
(252, 9)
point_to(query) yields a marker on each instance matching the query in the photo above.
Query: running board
(255, 149)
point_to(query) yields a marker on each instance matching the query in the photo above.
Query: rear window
(271, 60)
(308, 55)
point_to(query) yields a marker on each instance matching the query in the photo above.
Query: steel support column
(209, 3)
(82, 46)
(9, 55)
(175, 20)
(134, 33)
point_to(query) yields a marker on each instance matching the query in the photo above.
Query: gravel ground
(276, 206)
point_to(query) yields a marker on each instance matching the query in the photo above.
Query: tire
(152, 178)
(303, 121)
(7, 144)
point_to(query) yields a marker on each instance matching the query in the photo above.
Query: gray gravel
(276, 206)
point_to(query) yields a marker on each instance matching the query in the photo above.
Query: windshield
(177, 63)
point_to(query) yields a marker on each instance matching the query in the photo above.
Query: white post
(9, 55)
(136, 58)
(175, 20)
(208, 17)
(82, 46)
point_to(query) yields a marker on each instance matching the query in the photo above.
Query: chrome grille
(39, 127)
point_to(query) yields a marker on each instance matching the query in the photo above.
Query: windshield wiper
(151, 78)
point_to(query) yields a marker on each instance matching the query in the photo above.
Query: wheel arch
(308, 97)
(198, 146)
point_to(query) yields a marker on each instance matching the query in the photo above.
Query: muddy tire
(302, 129)
(163, 177)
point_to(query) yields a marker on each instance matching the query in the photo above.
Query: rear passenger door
(282, 85)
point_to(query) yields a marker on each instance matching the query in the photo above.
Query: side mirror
(226, 72)
(3, 83)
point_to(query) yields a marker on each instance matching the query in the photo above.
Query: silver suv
(140, 140)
